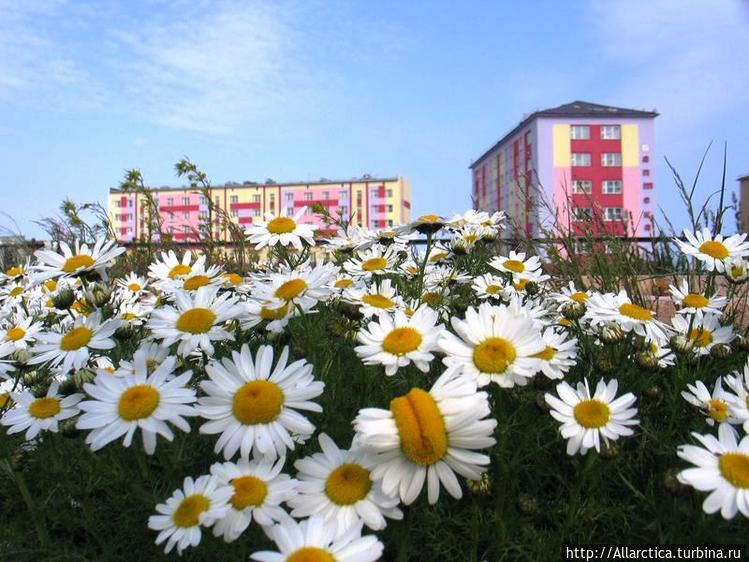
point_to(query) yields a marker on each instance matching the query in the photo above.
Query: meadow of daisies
(368, 398)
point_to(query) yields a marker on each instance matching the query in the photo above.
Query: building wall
(744, 204)
(377, 204)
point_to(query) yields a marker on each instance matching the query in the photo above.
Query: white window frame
(610, 214)
(576, 188)
(587, 218)
(607, 189)
(256, 198)
(581, 159)
(580, 132)
(611, 159)
(308, 196)
(233, 199)
(611, 132)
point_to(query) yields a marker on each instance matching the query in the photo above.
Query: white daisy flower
(259, 490)
(14, 272)
(619, 308)
(253, 405)
(494, 344)
(132, 285)
(587, 419)
(738, 396)
(282, 229)
(722, 468)
(713, 250)
(314, 540)
(429, 436)
(736, 269)
(71, 349)
(695, 303)
(570, 293)
(197, 278)
(516, 263)
(395, 341)
(379, 298)
(21, 332)
(197, 504)
(705, 332)
(337, 484)
(169, 267)
(51, 264)
(303, 287)
(560, 354)
(144, 400)
(275, 312)
(715, 406)
(377, 260)
(153, 354)
(34, 415)
(196, 320)
(489, 286)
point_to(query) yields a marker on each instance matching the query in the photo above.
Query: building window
(186, 215)
(612, 213)
(582, 213)
(582, 247)
(255, 212)
(580, 159)
(646, 200)
(186, 229)
(582, 186)
(169, 201)
(390, 193)
(289, 211)
(118, 203)
(203, 215)
(256, 198)
(308, 196)
(646, 173)
(129, 202)
(185, 200)
(647, 185)
(234, 213)
(390, 208)
(610, 159)
(234, 199)
(612, 186)
(326, 195)
(579, 132)
(646, 158)
(289, 195)
(216, 201)
(390, 222)
(343, 194)
(308, 211)
(343, 210)
(611, 132)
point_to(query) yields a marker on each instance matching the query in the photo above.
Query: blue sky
(301, 90)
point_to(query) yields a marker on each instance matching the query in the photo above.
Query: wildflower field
(370, 398)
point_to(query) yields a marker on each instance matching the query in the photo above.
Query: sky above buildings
(309, 89)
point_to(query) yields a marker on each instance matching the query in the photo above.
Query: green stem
(423, 266)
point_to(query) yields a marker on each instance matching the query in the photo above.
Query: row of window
(586, 213)
(608, 132)
(608, 159)
(607, 186)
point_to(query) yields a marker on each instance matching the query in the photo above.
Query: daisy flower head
(424, 224)
(704, 332)
(169, 267)
(304, 286)
(716, 405)
(197, 278)
(378, 298)
(15, 272)
(695, 303)
(145, 400)
(586, 418)
(494, 344)
(516, 263)
(71, 348)
(721, 467)
(736, 269)
(259, 489)
(76, 262)
(560, 354)
(132, 285)
(275, 312)
(199, 503)
(153, 354)
(398, 340)
(337, 484)
(489, 286)
(619, 308)
(429, 436)
(196, 320)
(254, 404)
(281, 229)
(34, 415)
(377, 260)
(570, 293)
(713, 250)
(737, 395)
(315, 540)
(21, 331)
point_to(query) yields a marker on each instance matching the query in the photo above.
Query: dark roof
(573, 109)
(255, 185)
(742, 178)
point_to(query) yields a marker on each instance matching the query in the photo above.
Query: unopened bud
(611, 334)
(681, 344)
(742, 343)
(99, 295)
(64, 299)
(532, 288)
(480, 487)
(720, 350)
(574, 310)
(646, 360)
(528, 504)
(604, 365)
(21, 356)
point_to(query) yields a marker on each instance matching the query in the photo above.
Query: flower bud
(528, 504)
(611, 333)
(480, 487)
(64, 299)
(574, 310)
(646, 360)
(681, 344)
(720, 350)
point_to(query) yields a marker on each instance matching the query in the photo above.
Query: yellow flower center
(234, 278)
(14, 271)
(43, 408)
(273, 313)
(493, 355)
(152, 365)
(134, 287)
(249, 491)
(374, 264)
(257, 402)
(717, 409)
(432, 299)
(138, 402)
(196, 321)
(179, 270)
(281, 225)
(15, 291)
(421, 427)
(714, 249)
(401, 341)
(291, 289)
(75, 263)
(348, 484)
(547, 354)
(635, 311)
(310, 554)
(701, 337)
(493, 289)
(5, 400)
(693, 300)
(437, 256)
(514, 265)
(592, 414)
(470, 238)
(343, 283)
(50, 285)
(737, 271)
(378, 301)
(565, 322)
(428, 218)
(15, 334)
(579, 296)
(520, 284)
(128, 316)
(188, 512)
(734, 467)
(196, 282)
(76, 338)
